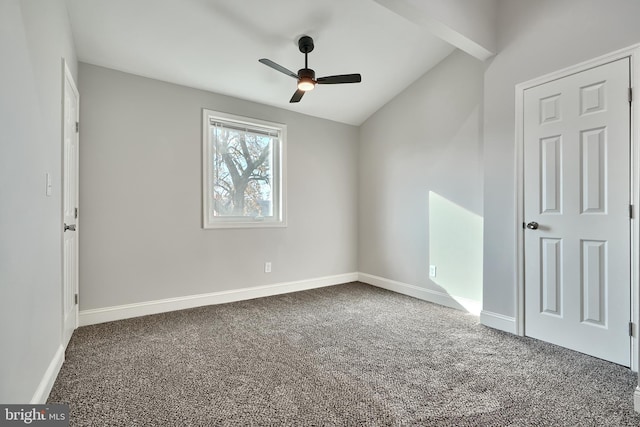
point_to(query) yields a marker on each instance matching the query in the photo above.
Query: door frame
(632, 52)
(68, 77)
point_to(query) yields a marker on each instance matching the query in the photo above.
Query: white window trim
(207, 173)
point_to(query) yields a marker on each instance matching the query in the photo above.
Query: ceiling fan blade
(278, 67)
(343, 78)
(297, 96)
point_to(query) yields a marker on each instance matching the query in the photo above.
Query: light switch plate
(49, 188)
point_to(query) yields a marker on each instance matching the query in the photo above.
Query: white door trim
(67, 77)
(632, 52)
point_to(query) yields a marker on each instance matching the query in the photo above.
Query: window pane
(243, 172)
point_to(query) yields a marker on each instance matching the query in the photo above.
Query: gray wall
(534, 38)
(140, 196)
(420, 185)
(34, 37)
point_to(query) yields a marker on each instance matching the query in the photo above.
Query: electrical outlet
(432, 271)
(267, 267)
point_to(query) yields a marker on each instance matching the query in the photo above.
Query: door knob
(71, 227)
(533, 225)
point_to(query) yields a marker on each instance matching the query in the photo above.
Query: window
(243, 171)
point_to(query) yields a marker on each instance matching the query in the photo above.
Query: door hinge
(76, 212)
(631, 211)
(630, 95)
(630, 329)
(77, 127)
(75, 299)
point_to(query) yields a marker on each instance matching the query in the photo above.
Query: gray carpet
(344, 355)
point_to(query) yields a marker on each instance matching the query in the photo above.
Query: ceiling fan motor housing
(306, 73)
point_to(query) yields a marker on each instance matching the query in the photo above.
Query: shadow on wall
(455, 250)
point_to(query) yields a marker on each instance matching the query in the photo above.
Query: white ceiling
(215, 45)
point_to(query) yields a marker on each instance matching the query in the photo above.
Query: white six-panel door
(69, 206)
(576, 209)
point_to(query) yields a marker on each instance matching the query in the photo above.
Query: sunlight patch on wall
(455, 249)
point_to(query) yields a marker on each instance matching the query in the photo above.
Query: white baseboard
(498, 321)
(636, 399)
(437, 297)
(49, 378)
(109, 314)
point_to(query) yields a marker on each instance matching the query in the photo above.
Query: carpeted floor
(344, 355)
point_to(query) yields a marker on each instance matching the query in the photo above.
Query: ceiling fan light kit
(306, 85)
(307, 79)
(306, 76)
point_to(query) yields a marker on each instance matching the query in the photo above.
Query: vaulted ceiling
(215, 45)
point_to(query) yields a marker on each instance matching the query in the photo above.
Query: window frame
(278, 172)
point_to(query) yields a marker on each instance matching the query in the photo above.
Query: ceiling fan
(306, 76)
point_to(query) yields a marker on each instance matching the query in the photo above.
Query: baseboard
(49, 378)
(636, 399)
(498, 321)
(437, 297)
(109, 314)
